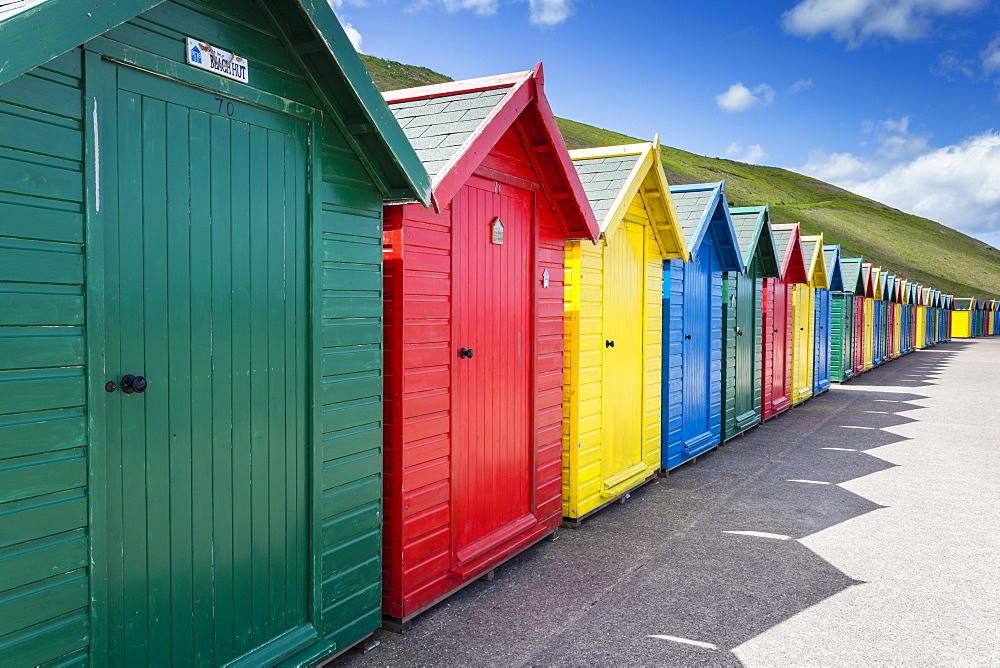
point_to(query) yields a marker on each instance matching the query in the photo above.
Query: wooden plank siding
(45, 588)
(418, 438)
(44, 448)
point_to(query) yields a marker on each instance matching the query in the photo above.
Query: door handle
(465, 353)
(133, 384)
(739, 332)
(688, 337)
(609, 344)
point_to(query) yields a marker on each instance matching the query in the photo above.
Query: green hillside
(915, 248)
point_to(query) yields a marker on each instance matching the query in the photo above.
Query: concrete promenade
(860, 528)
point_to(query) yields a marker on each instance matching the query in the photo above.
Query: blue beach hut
(692, 323)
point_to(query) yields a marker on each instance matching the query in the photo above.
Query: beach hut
(868, 347)
(743, 316)
(804, 318)
(474, 335)
(191, 427)
(925, 319)
(962, 318)
(614, 328)
(892, 317)
(692, 323)
(881, 318)
(822, 327)
(847, 322)
(911, 342)
(777, 378)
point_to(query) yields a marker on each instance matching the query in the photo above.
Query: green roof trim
(756, 238)
(36, 35)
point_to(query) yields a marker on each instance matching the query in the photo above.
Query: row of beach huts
(283, 359)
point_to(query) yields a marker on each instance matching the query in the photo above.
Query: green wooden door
(746, 313)
(208, 540)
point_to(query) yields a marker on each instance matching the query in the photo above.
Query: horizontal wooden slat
(40, 601)
(39, 559)
(22, 391)
(45, 431)
(24, 477)
(37, 305)
(47, 641)
(36, 347)
(42, 516)
(25, 261)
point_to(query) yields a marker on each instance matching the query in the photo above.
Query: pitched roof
(455, 125)
(788, 241)
(869, 279)
(613, 176)
(834, 270)
(37, 32)
(812, 251)
(756, 239)
(702, 209)
(854, 279)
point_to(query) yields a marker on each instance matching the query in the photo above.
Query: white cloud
(854, 21)
(740, 98)
(801, 85)
(541, 12)
(950, 64)
(549, 12)
(352, 32)
(957, 185)
(991, 57)
(752, 155)
(481, 7)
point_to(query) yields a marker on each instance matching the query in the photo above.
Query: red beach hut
(777, 321)
(473, 297)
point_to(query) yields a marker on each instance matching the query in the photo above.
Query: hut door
(697, 344)
(491, 423)
(622, 368)
(206, 301)
(779, 300)
(821, 335)
(746, 349)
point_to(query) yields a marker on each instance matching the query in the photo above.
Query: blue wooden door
(697, 346)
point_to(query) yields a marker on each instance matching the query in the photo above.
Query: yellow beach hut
(869, 334)
(613, 327)
(804, 318)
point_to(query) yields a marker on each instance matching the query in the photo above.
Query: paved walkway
(862, 527)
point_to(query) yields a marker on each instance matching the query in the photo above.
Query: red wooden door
(779, 322)
(492, 467)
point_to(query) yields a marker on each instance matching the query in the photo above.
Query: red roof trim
(455, 87)
(793, 265)
(870, 283)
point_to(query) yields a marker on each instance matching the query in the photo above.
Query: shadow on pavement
(693, 565)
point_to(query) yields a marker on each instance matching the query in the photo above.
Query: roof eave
(46, 31)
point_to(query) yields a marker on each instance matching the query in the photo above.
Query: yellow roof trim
(608, 151)
(657, 199)
(817, 273)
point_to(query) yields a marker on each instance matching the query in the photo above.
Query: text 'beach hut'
(692, 323)
(190, 429)
(474, 335)
(743, 319)
(614, 327)
(777, 377)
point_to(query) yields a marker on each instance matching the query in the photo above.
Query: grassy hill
(915, 248)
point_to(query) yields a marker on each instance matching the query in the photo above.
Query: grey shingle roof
(852, 273)
(603, 179)
(745, 225)
(808, 250)
(438, 126)
(781, 240)
(691, 206)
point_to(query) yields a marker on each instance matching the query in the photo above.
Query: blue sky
(894, 99)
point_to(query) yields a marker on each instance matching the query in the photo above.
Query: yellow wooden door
(869, 333)
(802, 342)
(921, 341)
(622, 370)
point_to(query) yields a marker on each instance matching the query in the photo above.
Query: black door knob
(465, 353)
(133, 384)
(609, 344)
(739, 332)
(688, 337)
